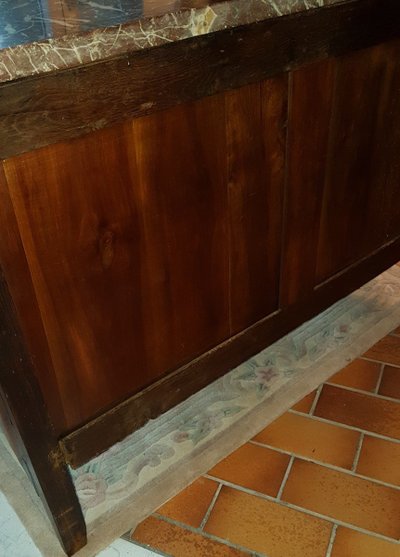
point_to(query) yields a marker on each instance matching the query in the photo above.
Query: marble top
(43, 36)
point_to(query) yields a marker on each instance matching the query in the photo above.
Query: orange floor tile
(253, 467)
(266, 526)
(360, 374)
(360, 410)
(323, 480)
(350, 543)
(386, 350)
(316, 440)
(345, 497)
(390, 383)
(305, 404)
(174, 540)
(191, 504)
(380, 459)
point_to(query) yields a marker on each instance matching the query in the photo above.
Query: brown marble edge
(69, 51)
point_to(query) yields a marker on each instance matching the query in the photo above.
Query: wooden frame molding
(30, 431)
(113, 426)
(36, 112)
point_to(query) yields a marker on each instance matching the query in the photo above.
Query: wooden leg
(31, 433)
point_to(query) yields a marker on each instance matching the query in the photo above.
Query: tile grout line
(358, 453)
(376, 361)
(331, 541)
(361, 392)
(346, 426)
(285, 478)
(309, 512)
(378, 384)
(209, 536)
(210, 507)
(315, 401)
(325, 465)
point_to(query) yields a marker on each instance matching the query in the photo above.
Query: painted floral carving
(91, 490)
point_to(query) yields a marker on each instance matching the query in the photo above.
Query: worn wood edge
(31, 433)
(35, 112)
(114, 425)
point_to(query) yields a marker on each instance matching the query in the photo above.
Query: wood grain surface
(256, 132)
(311, 95)
(126, 237)
(360, 209)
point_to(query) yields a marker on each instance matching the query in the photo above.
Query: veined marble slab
(43, 36)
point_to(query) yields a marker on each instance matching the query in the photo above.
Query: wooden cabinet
(143, 260)
(149, 243)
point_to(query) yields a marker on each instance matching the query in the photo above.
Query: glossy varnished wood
(360, 210)
(40, 111)
(19, 282)
(256, 131)
(126, 237)
(311, 93)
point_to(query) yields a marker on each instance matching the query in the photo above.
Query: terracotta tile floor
(323, 480)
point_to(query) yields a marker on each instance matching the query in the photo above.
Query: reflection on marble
(35, 20)
(42, 36)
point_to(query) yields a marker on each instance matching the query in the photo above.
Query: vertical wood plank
(363, 186)
(15, 267)
(309, 120)
(180, 176)
(256, 118)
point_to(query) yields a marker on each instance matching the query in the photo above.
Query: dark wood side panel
(126, 237)
(30, 432)
(256, 131)
(39, 111)
(19, 280)
(362, 189)
(98, 435)
(311, 94)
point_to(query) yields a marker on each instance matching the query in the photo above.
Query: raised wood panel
(362, 189)
(126, 237)
(256, 131)
(311, 93)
